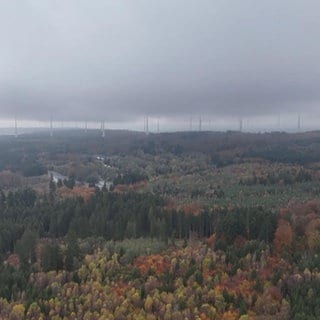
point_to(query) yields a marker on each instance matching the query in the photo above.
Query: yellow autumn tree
(17, 312)
(313, 234)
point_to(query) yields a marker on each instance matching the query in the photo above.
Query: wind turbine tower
(103, 133)
(278, 123)
(147, 125)
(200, 124)
(158, 125)
(51, 128)
(240, 124)
(15, 128)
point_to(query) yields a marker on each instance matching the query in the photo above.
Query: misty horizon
(289, 123)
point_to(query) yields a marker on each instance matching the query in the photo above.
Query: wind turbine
(103, 133)
(51, 128)
(15, 127)
(146, 125)
(240, 124)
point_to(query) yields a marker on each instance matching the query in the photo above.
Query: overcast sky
(119, 60)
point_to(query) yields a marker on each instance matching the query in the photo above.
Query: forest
(195, 226)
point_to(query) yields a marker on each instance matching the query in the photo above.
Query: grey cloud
(118, 60)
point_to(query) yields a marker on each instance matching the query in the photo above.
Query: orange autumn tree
(81, 191)
(283, 237)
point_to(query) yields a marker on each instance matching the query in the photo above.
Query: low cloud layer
(120, 60)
